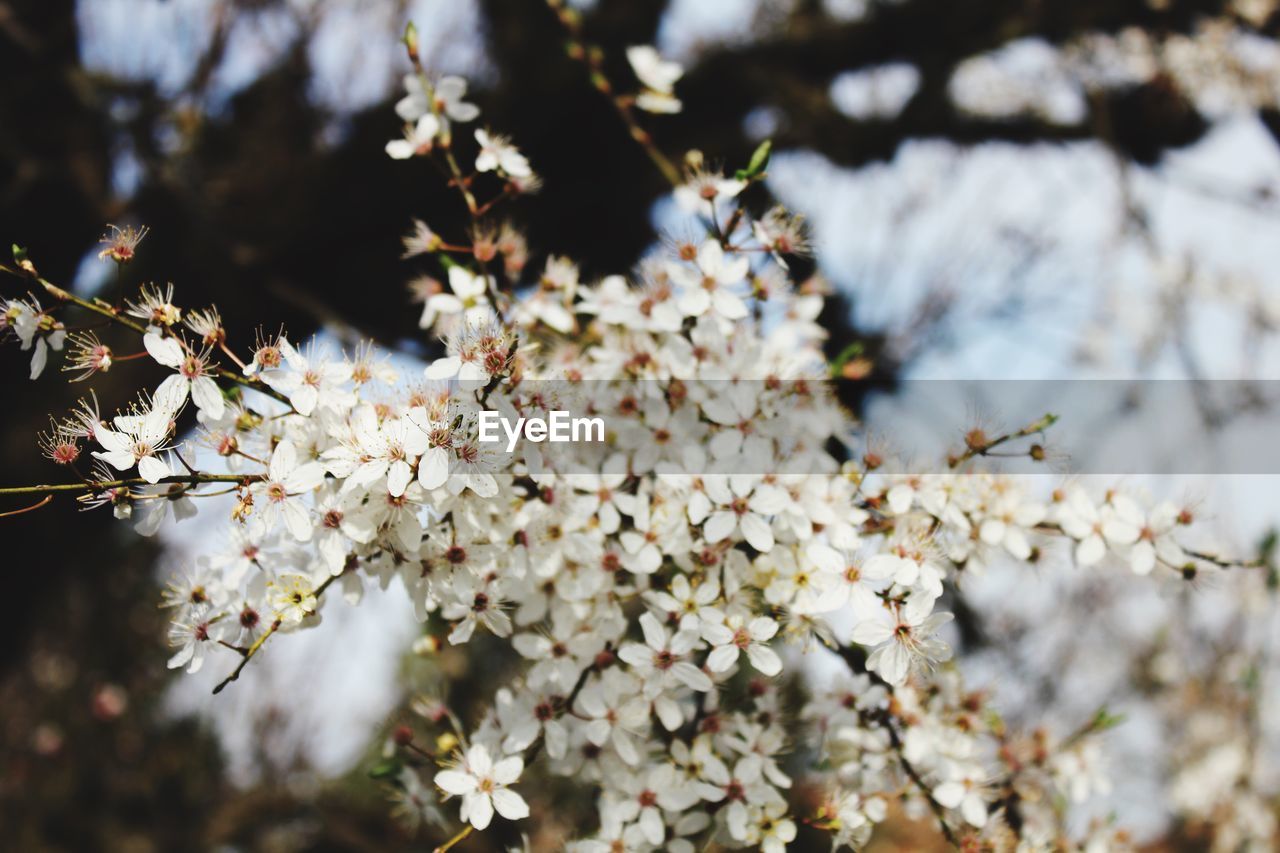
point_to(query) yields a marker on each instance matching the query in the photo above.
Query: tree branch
(115, 316)
(258, 643)
(190, 479)
(855, 657)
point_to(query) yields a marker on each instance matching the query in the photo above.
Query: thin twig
(474, 210)
(982, 448)
(188, 479)
(587, 55)
(856, 659)
(115, 316)
(35, 506)
(248, 654)
(1226, 563)
(258, 643)
(912, 773)
(462, 834)
(536, 747)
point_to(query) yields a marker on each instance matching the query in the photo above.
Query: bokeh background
(996, 189)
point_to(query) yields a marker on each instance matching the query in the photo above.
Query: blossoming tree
(666, 591)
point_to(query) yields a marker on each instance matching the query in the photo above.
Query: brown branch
(253, 650)
(99, 486)
(115, 316)
(855, 657)
(591, 57)
(35, 506)
(462, 835)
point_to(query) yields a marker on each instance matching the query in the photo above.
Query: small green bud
(411, 40)
(852, 351)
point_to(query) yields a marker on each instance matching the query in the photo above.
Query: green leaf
(1104, 719)
(852, 351)
(759, 162)
(760, 159)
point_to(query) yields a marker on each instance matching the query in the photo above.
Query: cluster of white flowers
(658, 77)
(652, 595)
(35, 330)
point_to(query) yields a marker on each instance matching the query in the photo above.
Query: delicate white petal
(167, 351)
(456, 782)
(510, 804)
(152, 469)
(722, 658)
(949, 794)
(719, 526)
(296, 519)
(398, 478)
(872, 632)
(479, 809)
(693, 677)
(654, 635)
(283, 461)
(207, 397)
(757, 532)
(508, 770)
(305, 478)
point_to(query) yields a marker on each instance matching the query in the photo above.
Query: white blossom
(483, 785)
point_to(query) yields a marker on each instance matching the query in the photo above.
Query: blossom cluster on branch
(658, 600)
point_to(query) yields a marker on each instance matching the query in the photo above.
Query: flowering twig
(474, 210)
(446, 139)
(977, 443)
(591, 56)
(247, 654)
(91, 486)
(856, 659)
(567, 703)
(457, 839)
(112, 314)
(1227, 563)
(365, 483)
(895, 740)
(1051, 528)
(258, 643)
